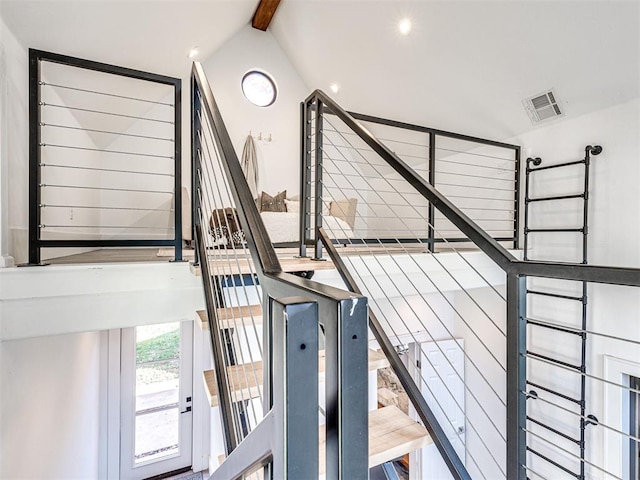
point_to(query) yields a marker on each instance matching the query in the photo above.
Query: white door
(442, 368)
(156, 393)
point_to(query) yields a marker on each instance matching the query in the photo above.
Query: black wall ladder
(533, 166)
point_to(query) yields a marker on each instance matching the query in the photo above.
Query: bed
(284, 227)
(281, 218)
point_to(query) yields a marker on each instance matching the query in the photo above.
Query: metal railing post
(177, 170)
(318, 179)
(347, 445)
(516, 201)
(196, 128)
(294, 383)
(432, 181)
(516, 376)
(34, 157)
(305, 176)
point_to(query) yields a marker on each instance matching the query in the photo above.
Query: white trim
(616, 370)
(113, 405)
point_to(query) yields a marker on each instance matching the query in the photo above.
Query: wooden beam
(264, 13)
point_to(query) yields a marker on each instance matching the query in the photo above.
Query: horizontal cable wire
(423, 145)
(42, 124)
(583, 460)
(106, 151)
(432, 226)
(589, 420)
(476, 154)
(474, 186)
(96, 92)
(122, 227)
(500, 169)
(534, 472)
(48, 205)
(44, 185)
(577, 372)
(100, 112)
(484, 177)
(579, 331)
(137, 172)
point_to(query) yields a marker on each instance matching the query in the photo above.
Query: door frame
(114, 393)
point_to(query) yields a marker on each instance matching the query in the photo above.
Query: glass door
(156, 393)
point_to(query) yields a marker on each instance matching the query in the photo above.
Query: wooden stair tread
(392, 434)
(246, 379)
(232, 317)
(243, 266)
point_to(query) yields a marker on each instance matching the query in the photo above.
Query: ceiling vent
(543, 106)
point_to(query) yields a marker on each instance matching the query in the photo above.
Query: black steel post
(318, 172)
(305, 176)
(516, 377)
(196, 129)
(177, 169)
(516, 200)
(432, 181)
(34, 157)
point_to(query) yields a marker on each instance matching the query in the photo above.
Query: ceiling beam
(264, 13)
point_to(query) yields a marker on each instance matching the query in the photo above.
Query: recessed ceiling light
(404, 26)
(193, 52)
(335, 88)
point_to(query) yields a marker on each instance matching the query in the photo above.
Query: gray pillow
(273, 204)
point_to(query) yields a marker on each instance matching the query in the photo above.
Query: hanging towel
(249, 165)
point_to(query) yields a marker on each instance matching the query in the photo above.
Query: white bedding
(284, 226)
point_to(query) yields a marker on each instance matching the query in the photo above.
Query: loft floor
(112, 255)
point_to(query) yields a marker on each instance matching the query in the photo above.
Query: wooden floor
(111, 255)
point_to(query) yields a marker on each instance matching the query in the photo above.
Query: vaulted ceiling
(465, 66)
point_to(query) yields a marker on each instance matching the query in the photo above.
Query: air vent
(542, 107)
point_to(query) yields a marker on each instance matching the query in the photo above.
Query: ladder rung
(557, 165)
(551, 429)
(554, 360)
(551, 326)
(553, 392)
(554, 463)
(551, 230)
(559, 197)
(555, 295)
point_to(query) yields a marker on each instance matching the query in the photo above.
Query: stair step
(243, 266)
(232, 317)
(392, 434)
(386, 397)
(248, 385)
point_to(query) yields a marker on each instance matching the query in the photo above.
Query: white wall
(614, 217)
(14, 140)
(51, 405)
(279, 159)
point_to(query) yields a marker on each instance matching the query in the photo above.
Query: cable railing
(480, 176)
(105, 156)
(459, 316)
(266, 364)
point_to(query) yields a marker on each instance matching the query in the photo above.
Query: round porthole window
(259, 88)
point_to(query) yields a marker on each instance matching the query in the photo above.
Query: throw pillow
(273, 204)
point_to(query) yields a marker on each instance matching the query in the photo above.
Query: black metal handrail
(499, 254)
(342, 314)
(516, 270)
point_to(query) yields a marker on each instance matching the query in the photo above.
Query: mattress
(285, 226)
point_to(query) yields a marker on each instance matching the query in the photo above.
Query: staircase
(430, 290)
